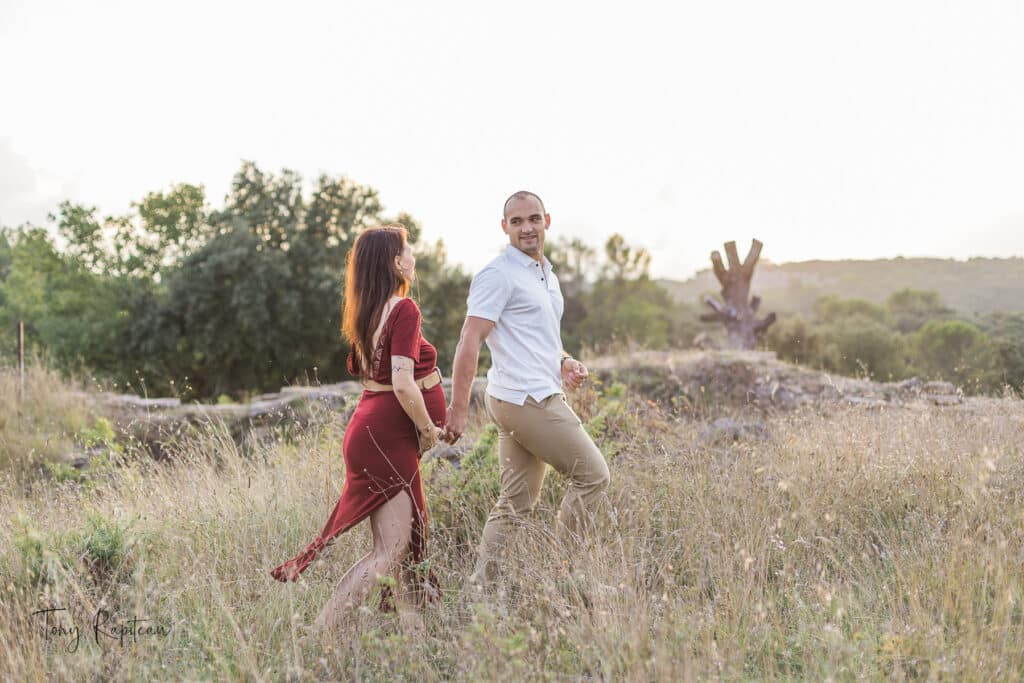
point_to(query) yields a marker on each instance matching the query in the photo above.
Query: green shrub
(831, 309)
(43, 558)
(1006, 330)
(463, 495)
(958, 352)
(101, 433)
(607, 422)
(912, 308)
(798, 341)
(62, 472)
(861, 345)
(106, 544)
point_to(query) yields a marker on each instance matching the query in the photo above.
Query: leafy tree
(1006, 330)
(71, 314)
(623, 262)
(639, 314)
(832, 309)
(912, 308)
(440, 291)
(171, 226)
(270, 207)
(574, 260)
(5, 254)
(861, 345)
(160, 231)
(797, 340)
(956, 351)
(259, 304)
(851, 345)
(624, 305)
(31, 265)
(239, 317)
(575, 263)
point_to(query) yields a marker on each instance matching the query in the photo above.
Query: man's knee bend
(525, 507)
(519, 505)
(519, 500)
(597, 478)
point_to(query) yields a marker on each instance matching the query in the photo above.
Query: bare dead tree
(736, 313)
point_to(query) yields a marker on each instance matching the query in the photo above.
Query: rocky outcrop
(156, 423)
(695, 382)
(702, 384)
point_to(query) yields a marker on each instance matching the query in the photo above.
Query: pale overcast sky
(827, 130)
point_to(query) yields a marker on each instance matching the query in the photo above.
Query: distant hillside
(978, 285)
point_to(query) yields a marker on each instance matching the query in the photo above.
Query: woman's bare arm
(411, 399)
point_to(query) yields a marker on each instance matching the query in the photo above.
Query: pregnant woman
(398, 418)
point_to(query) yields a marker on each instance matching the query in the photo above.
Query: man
(515, 304)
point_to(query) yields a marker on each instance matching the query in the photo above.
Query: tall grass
(40, 424)
(848, 543)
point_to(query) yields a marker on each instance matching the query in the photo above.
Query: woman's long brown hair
(371, 278)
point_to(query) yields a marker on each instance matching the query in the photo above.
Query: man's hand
(574, 373)
(455, 425)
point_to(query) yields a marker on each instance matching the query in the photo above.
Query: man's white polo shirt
(523, 299)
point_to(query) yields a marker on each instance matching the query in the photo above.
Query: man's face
(525, 224)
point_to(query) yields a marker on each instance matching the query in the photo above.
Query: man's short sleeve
(489, 293)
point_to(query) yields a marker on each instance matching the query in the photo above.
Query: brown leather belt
(424, 383)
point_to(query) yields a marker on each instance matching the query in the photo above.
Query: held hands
(574, 373)
(429, 437)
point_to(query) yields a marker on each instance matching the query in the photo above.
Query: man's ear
(504, 226)
(547, 221)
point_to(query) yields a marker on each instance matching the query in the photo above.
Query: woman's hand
(429, 437)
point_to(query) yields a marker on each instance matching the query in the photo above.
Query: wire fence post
(21, 360)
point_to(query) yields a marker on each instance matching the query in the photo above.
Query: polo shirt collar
(523, 259)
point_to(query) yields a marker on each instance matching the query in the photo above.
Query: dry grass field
(840, 544)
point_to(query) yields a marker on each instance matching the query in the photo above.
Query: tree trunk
(737, 314)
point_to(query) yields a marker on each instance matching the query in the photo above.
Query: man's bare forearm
(467, 358)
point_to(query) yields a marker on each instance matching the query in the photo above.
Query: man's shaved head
(525, 221)
(522, 194)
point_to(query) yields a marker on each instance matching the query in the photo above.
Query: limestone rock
(726, 429)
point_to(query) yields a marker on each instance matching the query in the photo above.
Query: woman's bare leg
(391, 525)
(410, 616)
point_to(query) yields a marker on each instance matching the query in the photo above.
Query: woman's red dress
(380, 448)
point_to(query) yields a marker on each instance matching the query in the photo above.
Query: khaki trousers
(531, 437)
